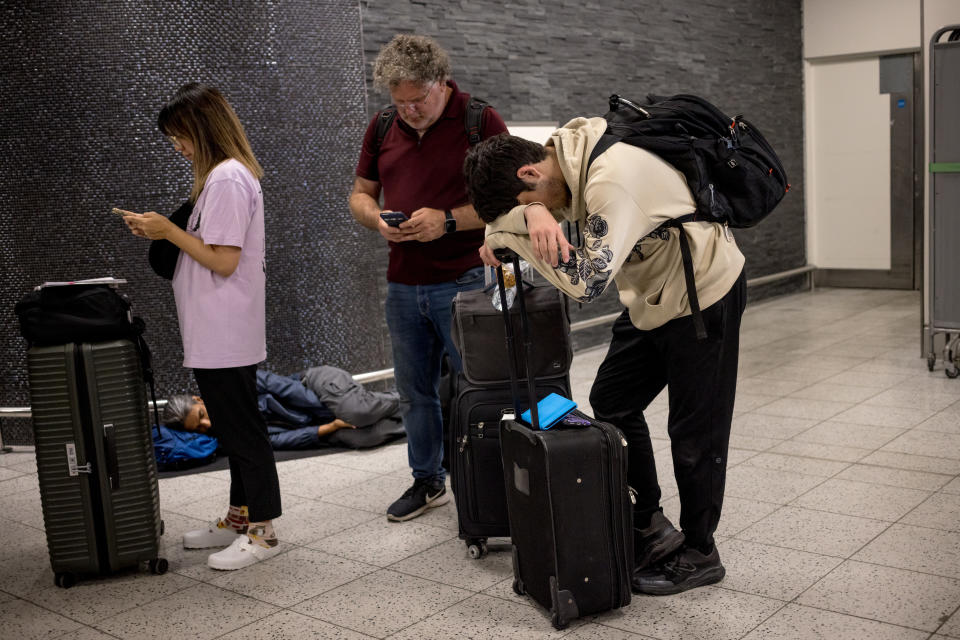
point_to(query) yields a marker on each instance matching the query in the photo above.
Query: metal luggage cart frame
(943, 312)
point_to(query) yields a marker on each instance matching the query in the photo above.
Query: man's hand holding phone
(390, 226)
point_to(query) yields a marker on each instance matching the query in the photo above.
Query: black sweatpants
(230, 396)
(701, 378)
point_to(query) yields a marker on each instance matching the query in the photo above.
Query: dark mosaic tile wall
(83, 82)
(536, 60)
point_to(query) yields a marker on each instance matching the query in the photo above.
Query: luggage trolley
(943, 314)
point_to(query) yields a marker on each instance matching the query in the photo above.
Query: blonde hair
(204, 117)
(417, 59)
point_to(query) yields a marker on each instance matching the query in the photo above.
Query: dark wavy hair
(490, 170)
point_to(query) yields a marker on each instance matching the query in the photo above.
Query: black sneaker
(686, 569)
(655, 542)
(423, 495)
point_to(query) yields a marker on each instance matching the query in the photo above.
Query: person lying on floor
(293, 406)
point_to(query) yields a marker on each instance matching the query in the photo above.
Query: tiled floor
(841, 520)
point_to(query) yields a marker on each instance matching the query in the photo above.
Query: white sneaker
(242, 553)
(219, 534)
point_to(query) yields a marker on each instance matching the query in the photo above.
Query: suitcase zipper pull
(73, 468)
(463, 443)
(633, 494)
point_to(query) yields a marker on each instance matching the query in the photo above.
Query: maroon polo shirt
(427, 172)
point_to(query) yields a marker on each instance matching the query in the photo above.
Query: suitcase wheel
(557, 621)
(65, 580)
(518, 587)
(476, 548)
(159, 566)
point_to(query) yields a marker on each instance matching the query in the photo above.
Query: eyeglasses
(177, 144)
(407, 104)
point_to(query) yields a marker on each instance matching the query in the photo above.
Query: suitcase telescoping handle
(505, 255)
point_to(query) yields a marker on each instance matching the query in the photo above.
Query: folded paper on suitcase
(550, 411)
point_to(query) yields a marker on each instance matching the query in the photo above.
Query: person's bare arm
(221, 259)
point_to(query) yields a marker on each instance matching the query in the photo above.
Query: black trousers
(701, 378)
(230, 396)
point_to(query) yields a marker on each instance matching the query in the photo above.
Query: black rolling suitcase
(482, 394)
(95, 461)
(570, 509)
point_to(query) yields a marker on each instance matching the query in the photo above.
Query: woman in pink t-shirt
(219, 286)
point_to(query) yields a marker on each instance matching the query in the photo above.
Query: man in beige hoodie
(522, 190)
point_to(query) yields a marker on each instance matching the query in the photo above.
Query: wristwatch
(450, 224)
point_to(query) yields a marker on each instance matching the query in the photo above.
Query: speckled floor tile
(762, 425)
(310, 520)
(807, 375)
(482, 617)
(951, 628)
(771, 572)
(877, 501)
(199, 613)
(288, 625)
(385, 459)
(21, 539)
(7, 473)
(928, 401)
(737, 513)
(814, 531)
(939, 511)
(796, 464)
(767, 386)
(382, 543)
(944, 421)
(909, 462)
(750, 401)
(373, 495)
(953, 486)
(313, 479)
(753, 443)
(845, 434)
(382, 603)
(927, 443)
(794, 622)
(906, 598)
(449, 563)
(707, 613)
(180, 491)
(19, 456)
(23, 507)
(894, 477)
(821, 451)
(87, 633)
(92, 600)
(916, 549)
(804, 408)
(292, 577)
(898, 417)
(834, 392)
(25, 621)
(872, 379)
(26, 572)
(593, 631)
(756, 483)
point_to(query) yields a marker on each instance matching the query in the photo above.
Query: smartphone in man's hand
(393, 218)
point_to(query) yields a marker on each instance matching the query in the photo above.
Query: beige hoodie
(628, 193)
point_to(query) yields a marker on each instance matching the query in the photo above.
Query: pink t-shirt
(222, 320)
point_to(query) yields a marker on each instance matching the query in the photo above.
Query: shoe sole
(208, 546)
(663, 548)
(249, 564)
(711, 577)
(438, 502)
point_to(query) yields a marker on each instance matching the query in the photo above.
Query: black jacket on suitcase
(570, 509)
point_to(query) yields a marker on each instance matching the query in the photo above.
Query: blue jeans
(419, 318)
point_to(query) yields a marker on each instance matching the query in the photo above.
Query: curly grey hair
(416, 59)
(177, 409)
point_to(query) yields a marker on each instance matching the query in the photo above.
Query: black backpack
(472, 122)
(732, 171)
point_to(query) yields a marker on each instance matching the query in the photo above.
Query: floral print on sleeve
(592, 269)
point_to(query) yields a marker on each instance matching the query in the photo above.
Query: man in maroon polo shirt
(434, 251)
